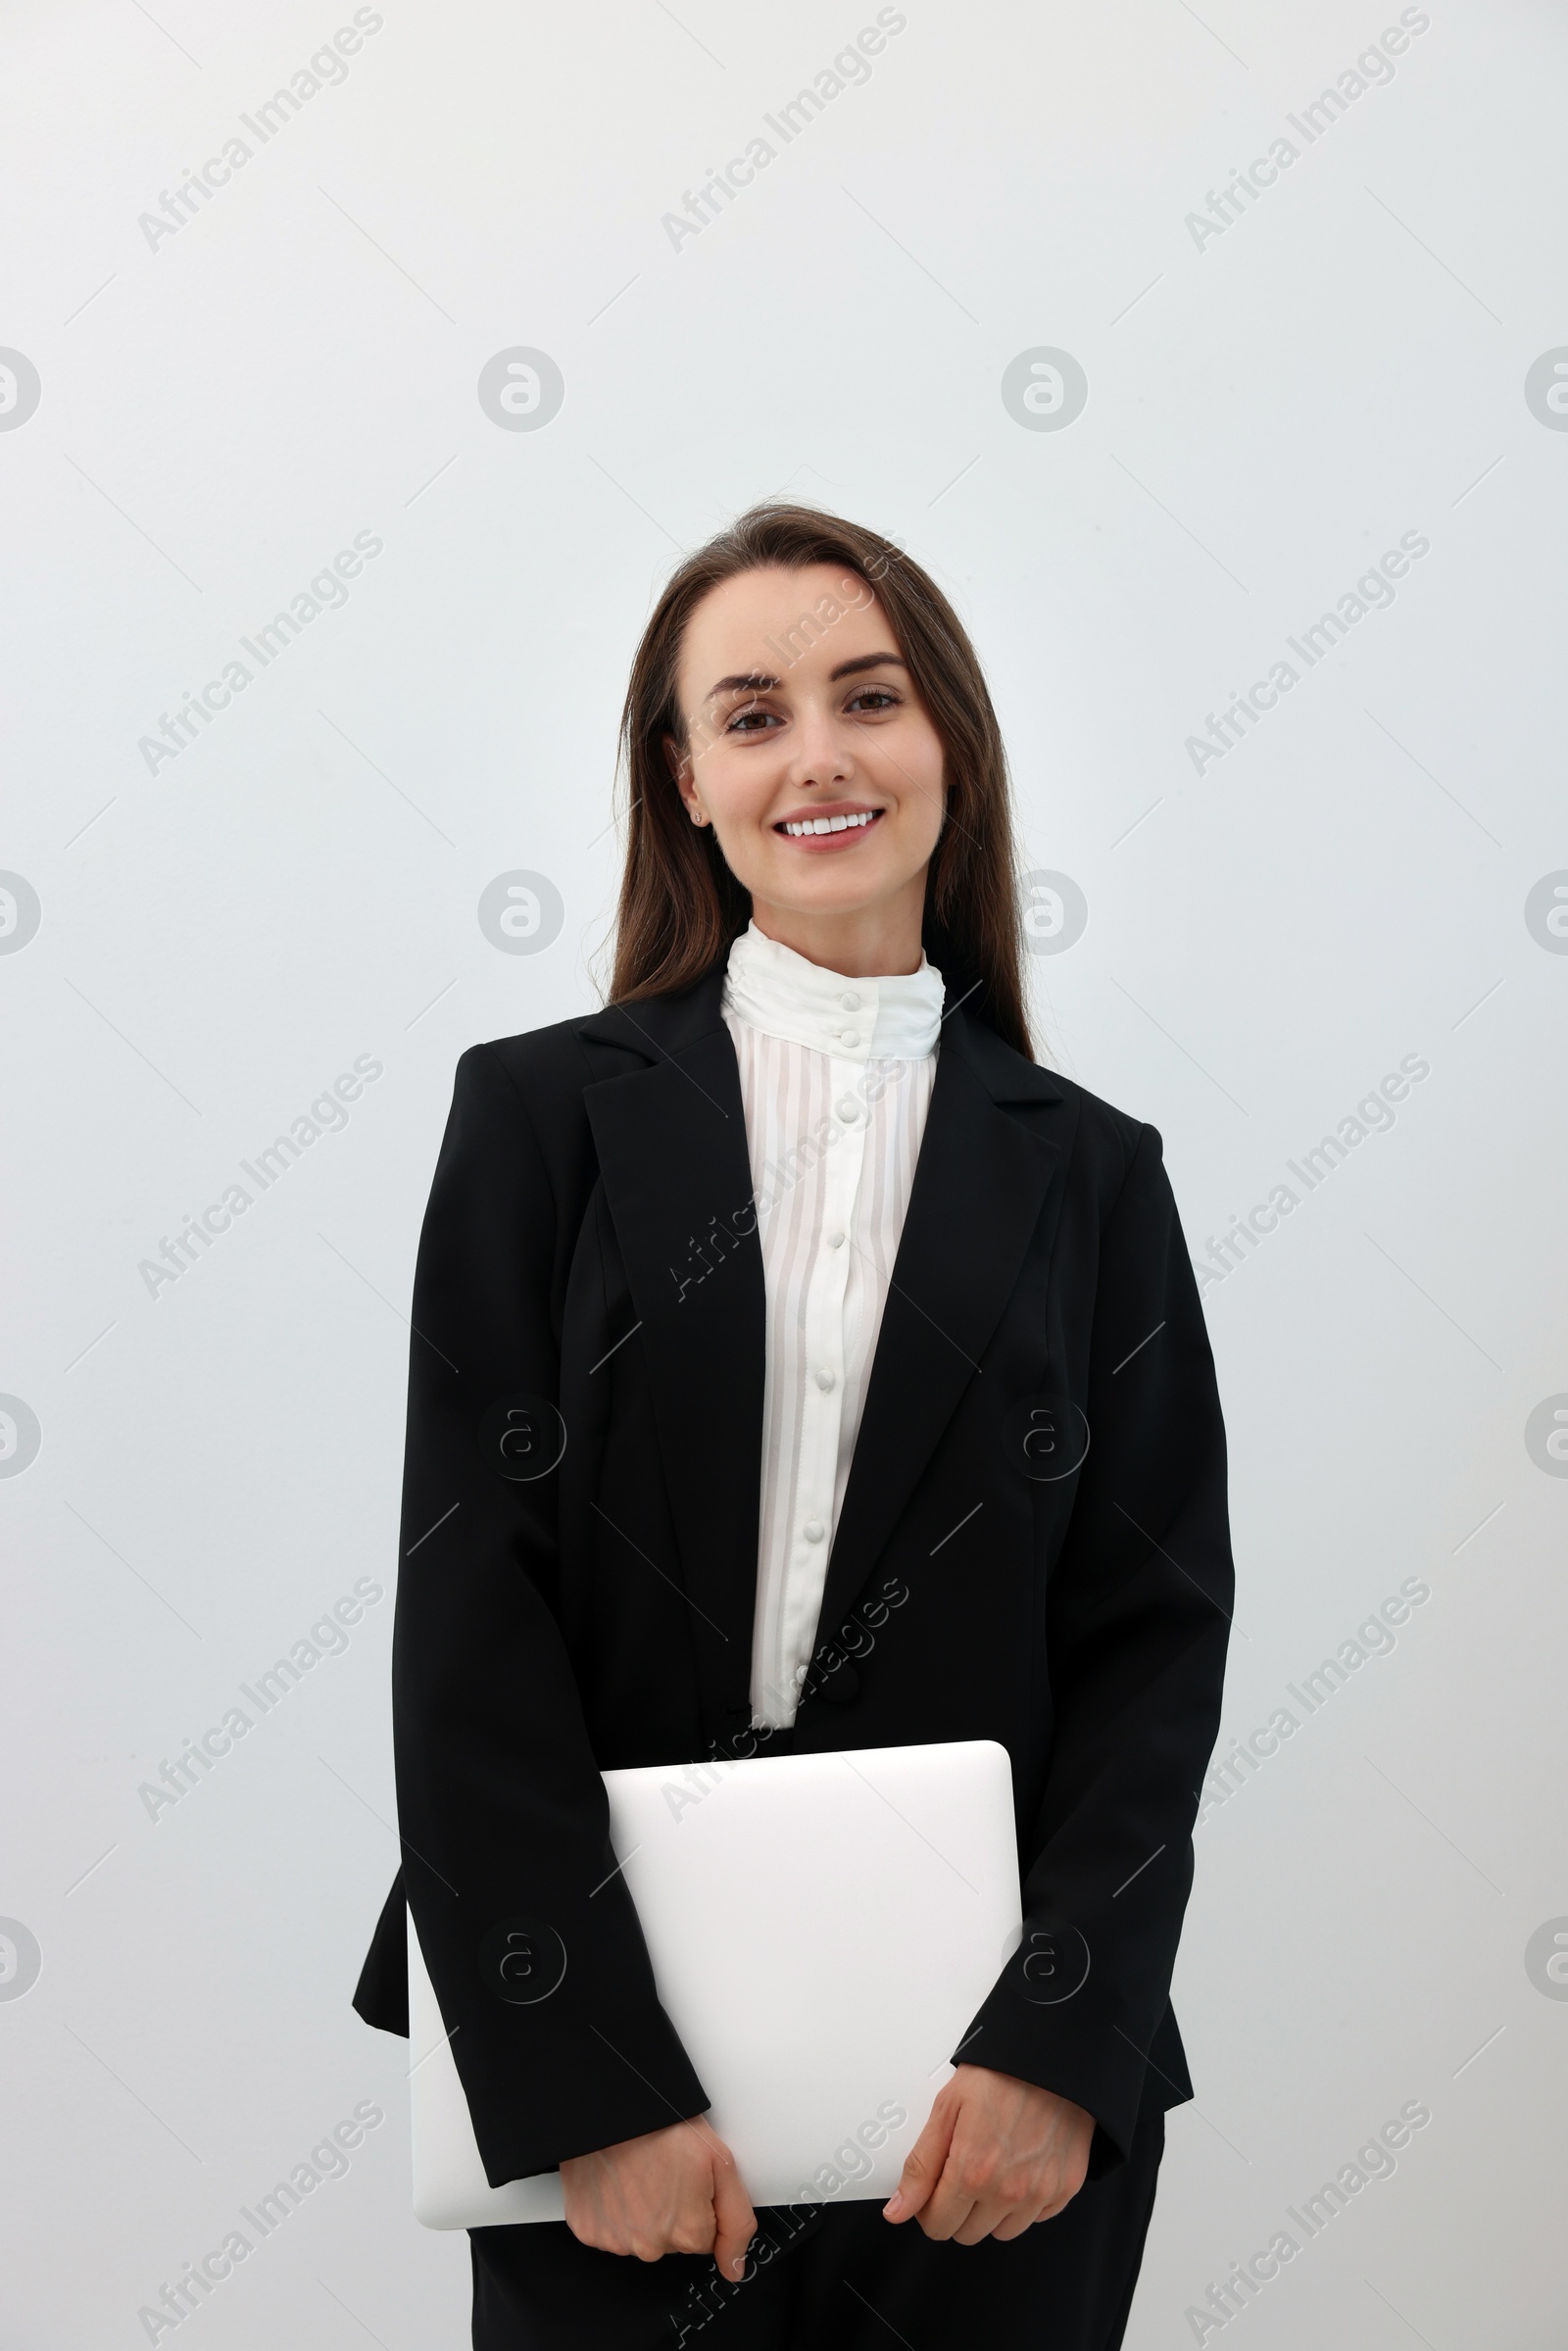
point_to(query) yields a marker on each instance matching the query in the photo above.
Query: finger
(989, 2217)
(1058, 2195)
(1015, 2222)
(735, 2223)
(959, 2192)
(922, 2166)
(950, 2208)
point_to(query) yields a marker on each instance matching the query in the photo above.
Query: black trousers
(843, 2280)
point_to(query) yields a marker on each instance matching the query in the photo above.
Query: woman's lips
(818, 844)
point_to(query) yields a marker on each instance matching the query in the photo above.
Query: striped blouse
(836, 1078)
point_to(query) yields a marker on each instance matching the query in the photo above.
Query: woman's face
(810, 751)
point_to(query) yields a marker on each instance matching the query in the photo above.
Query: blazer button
(840, 1688)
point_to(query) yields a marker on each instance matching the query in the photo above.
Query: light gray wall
(1271, 932)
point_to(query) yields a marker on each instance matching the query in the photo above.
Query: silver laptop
(822, 1930)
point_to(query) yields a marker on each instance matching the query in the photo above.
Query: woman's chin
(840, 885)
(803, 898)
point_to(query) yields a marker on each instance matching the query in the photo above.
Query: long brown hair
(680, 905)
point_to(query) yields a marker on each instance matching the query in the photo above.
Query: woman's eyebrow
(866, 661)
(762, 681)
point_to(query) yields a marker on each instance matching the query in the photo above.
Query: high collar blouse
(836, 1077)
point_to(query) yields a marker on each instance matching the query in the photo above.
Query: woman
(787, 1297)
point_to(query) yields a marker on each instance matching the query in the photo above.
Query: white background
(220, 413)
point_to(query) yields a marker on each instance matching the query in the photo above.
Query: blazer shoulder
(546, 1068)
(545, 1073)
(1101, 1141)
(1010, 1076)
(1106, 1140)
(1101, 1118)
(539, 1061)
(550, 1067)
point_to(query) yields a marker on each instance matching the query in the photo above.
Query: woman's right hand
(675, 2191)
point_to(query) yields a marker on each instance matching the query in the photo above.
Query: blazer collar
(660, 1027)
(670, 1129)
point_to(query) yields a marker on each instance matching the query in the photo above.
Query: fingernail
(894, 2208)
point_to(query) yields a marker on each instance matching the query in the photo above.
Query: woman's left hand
(996, 2155)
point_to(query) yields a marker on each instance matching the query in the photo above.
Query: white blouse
(836, 1078)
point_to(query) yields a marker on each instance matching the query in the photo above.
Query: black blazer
(589, 1273)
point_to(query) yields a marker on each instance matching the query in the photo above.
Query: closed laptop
(822, 1930)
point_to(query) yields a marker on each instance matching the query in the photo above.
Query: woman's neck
(867, 943)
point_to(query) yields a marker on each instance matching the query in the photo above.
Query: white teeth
(828, 824)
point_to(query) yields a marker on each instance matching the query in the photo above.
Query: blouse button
(850, 1036)
(813, 1529)
(824, 1381)
(835, 1240)
(851, 1003)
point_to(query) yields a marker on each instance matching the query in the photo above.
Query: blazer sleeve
(1138, 1612)
(530, 1936)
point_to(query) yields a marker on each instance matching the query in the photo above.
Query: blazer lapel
(670, 1136)
(980, 1184)
(672, 1151)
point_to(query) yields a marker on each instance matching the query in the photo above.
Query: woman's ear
(680, 767)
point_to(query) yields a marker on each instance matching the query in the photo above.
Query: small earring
(697, 817)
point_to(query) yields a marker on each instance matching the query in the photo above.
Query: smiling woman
(797, 670)
(812, 1261)
(832, 759)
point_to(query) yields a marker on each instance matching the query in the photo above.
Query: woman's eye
(873, 698)
(749, 722)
